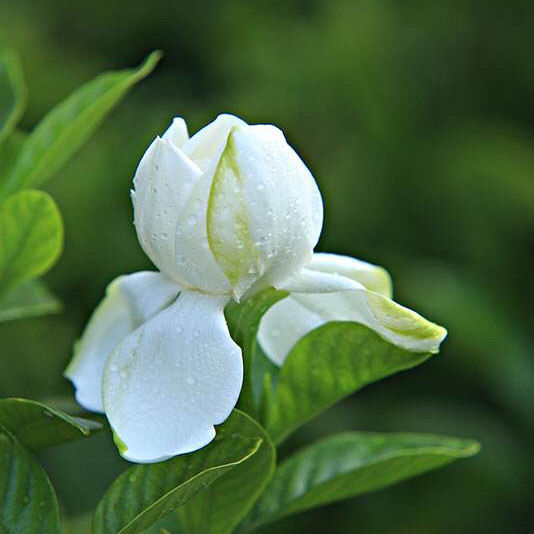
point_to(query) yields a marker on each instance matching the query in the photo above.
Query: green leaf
(12, 92)
(219, 508)
(326, 365)
(31, 299)
(243, 322)
(346, 465)
(145, 493)
(27, 500)
(66, 127)
(9, 153)
(36, 425)
(31, 237)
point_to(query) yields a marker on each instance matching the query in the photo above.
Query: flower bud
(230, 210)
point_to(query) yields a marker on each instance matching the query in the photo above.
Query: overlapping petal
(314, 301)
(265, 210)
(163, 183)
(130, 300)
(207, 144)
(177, 132)
(373, 277)
(172, 379)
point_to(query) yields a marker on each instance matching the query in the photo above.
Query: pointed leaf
(328, 364)
(351, 464)
(70, 124)
(12, 92)
(219, 508)
(147, 492)
(36, 425)
(31, 237)
(27, 500)
(31, 299)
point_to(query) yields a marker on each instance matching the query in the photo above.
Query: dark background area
(417, 120)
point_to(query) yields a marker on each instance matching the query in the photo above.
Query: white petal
(208, 143)
(194, 259)
(129, 301)
(176, 133)
(265, 210)
(283, 325)
(291, 318)
(309, 281)
(163, 183)
(171, 380)
(371, 276)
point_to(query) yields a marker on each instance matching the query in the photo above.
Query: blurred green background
(417, 120)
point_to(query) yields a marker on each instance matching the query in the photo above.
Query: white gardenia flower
(222, 214)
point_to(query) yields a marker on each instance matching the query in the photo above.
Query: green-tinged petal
(265, 210)
(373, 277)
(206, 145)
(130, 300)
(170, 381)
(293, 317)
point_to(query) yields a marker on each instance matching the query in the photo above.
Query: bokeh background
(417, 120)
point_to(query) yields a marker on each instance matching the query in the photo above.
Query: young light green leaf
(31, 237)
(28, 503)
(326, 365)
(66, 127)
(12, 92)
(243, 322)
(349, 464)
(145, 493)
(219, 508)
(36, 425)
(31, 299)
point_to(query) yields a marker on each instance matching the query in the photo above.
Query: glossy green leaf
(147, 492)
(36, 425)
(12, 92)
(31, 237)
(31, 299)
(219, 508)
(349, 464)
(27, 500)
(243, 322)
(66, 127)
(326, 365)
